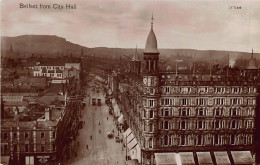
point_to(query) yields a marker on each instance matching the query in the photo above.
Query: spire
(136, 57)
(151, 42)
(252, 54)
(152, 21)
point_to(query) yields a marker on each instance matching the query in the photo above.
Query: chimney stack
(47, 113)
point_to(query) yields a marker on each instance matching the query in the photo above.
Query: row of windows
(204, 101)
(204, 90)
(5, 148)
(26, 135)
(165, 112)
(205, 125)
(201, 140)
(52, 67)
(45, 74)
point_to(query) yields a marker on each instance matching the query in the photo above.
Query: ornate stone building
(170, 112)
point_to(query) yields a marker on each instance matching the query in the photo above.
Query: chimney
(47, 113)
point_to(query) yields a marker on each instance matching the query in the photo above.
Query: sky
(179, 24)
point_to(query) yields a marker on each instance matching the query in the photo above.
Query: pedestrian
(87, 147)
(78, 143)
(107, 118)
(98, 123)
(90, 136)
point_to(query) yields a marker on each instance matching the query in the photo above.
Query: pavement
(100, 150)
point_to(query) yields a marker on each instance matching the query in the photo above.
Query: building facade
(189, 112)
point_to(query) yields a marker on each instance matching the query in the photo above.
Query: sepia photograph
(137, 82)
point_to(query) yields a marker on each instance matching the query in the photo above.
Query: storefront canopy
(5, 160)
(116, 111)
(130, 138)
(222, 158)
(187, 158)
(127, 133)
(135, 153)
(242, 157)
(121, 119)
(204, 158)
(132, 144)
(165, 159)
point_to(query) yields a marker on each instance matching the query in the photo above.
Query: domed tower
(151, 53)
(150, 97)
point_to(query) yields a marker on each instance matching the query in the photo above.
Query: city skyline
(206, 26)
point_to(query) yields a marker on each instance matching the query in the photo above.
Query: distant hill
(52, 46)
(44, 45)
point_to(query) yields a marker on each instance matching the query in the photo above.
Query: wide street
(98, 149)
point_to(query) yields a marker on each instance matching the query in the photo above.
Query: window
(165, 140)
(26, 147)
(5, 135)
(217, 124)
(15, 147)
(216, 140)
(151, 127)
(5, 148)
(201, 112)
(166, 112)
(203, 90)
(42, 147)
(184, 101)
(201, 101)
(184, 112)
(14, 135)
(26, 135)
(150, 143)
(151, 114)
(183, 125)
(199, 140)
(166, 125)
(53, 147)
(232, 139)
(234, 124)
(183, 137)
(151, 103)
(218, 111)
(42, 135)
(53, 134)
(235, 101)
(200, 125)
(219, 101)
(219, 90)
(234, 112)
(185, 90)
(145, 102)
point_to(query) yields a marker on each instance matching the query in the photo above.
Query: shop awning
(187, 158)
(132, 144)
(121, 119)
(116, 111)
(242, 157)
(5, 160)
(127, 132)
(204, 158)
(135, 153)
(222, 158)
(132, 162)
(165, 159)
(130, 138)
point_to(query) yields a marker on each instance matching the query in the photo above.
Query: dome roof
(151, 43)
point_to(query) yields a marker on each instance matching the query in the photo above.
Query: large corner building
(190, 115)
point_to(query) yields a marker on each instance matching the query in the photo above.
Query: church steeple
(135, 63)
